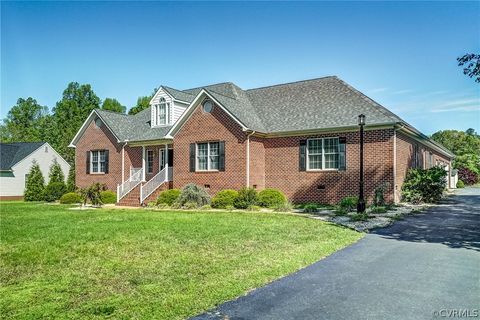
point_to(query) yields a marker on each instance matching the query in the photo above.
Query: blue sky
(402, 54)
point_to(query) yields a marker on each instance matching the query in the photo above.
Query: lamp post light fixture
(361, 200)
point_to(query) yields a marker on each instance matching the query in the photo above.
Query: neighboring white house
(16, 160)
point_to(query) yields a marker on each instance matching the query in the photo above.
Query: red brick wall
(405, 159)
(203, 127)
(282, 168)
(257, 163)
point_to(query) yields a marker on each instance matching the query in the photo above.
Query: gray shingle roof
(12, 153)
(321, 103)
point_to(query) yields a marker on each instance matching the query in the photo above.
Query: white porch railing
(127, 186)
(152, 184)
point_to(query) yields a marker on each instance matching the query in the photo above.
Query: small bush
(70, 198)
(310, 208)
(224, 198)
(168, 196)
(246, 197)
(192, 193)
(270, 198)
(92, 194)
(379, 198)
(108, 197)
(284, 207)
(190, 205)
(378, 209)
(348, 203)
(359, 217)
(54, 191)
(422, 185)
(468, 176)
(206, 207)
(460, 184)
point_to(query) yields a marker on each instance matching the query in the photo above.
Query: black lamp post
(361, 200)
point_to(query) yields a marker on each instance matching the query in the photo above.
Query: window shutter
(192, 157)
(221, 158)
(88, 162)
(303, 155)
(106, 161)
(342, 158)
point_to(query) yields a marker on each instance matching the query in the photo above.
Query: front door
(162, 158)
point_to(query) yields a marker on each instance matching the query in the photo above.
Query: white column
(123, 163)
(143, 163)
(166, 162)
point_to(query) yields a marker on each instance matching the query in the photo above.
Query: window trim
(98, 162)
(307, 154)
(208, 157)
(162, 102)
(150, 167)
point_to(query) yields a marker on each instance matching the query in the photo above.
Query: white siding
(15, 186)
(178, 109)
(175, 108)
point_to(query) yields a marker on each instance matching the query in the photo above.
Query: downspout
(248, 158)
(123, 161)
(395, 194)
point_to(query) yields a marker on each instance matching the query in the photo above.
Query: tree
(113, 105)
(35, 186)
(56, 173)
(142, 103)
(471, 65)
(24, 122)
(71, 179)
(77, 103)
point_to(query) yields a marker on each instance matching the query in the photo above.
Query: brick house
(300, 137)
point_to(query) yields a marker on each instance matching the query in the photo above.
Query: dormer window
(161, 112)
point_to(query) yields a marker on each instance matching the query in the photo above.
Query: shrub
(190, 205)
(92, 194)
(224, 198)
(54, 191)
(348, 203)
(168, 197)
(310, 207)
(378, 209)
(460, 184)
(468, 176)
(70, 198)
(286, 206)
(71, 180)
(35, 184)
(192, 193)
(422, 185)
(206, 207)
(270, 198)
(56, 173)
(359, 217)
(229, 208)
(339, 211)
(246, 197)
(379, 197)
(108, 196)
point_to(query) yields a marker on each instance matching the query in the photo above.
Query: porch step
(164, 186)
(132, 199)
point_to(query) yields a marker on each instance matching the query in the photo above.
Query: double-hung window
(323, 154)
(97, 161)
(161, 110)
(208, 155)
(149, 161)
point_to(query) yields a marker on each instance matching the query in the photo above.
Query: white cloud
(465, 105)
(377, 90)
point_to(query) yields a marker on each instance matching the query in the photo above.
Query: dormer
(165, 109)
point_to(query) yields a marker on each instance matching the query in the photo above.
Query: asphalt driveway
(424, 267)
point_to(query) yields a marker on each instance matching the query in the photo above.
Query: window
(161, 111)
(323, 154)
(208, 155)
(149, 161)
(98, 161)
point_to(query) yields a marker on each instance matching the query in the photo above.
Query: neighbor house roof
(12, 153)
(316, 104)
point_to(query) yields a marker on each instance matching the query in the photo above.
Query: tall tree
(113, 105)
(471, 65)
(24, 122)
(35, 185)
(56, 173)
(69, 114)
(71, 179)
(142, 103)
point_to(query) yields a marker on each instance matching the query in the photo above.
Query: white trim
(153, 157)
(187, 113)
(307, 167)
(143, 163)
(160, 89)
(395, 166)
(84, 126)
(51, 148)
(248, 158)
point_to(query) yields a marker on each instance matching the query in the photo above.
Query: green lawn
(141, 264)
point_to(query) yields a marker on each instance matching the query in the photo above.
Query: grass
(142, 264)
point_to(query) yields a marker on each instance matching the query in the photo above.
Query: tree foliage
(424, 185)
(142, 103)
(24, 122)
(56, 173)
(112, 104)
(35, 185)
(471, 65)
(71, 187)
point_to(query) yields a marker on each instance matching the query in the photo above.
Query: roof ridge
(171, 88)
(209, 85)
(293, 82)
